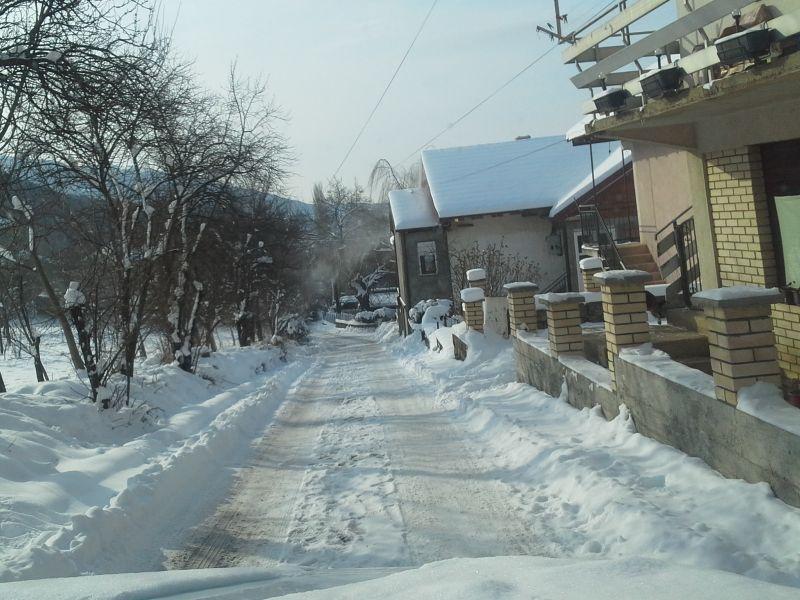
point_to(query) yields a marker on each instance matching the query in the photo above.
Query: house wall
(525, 236)
(744, 239)
(413, 285)
(668, 181)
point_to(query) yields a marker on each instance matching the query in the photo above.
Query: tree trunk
(2, 385)
(244, 330)
(212, 341)
(62, 319)
(85, 340)
(41, 374)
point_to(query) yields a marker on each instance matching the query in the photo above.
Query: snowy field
(371, 457)
(83, 491)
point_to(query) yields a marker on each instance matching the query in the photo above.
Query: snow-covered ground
(497, 578)
(374, 455)
(591, 488)
(103, 492)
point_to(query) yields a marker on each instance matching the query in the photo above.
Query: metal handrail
(608, 251)
(671, 224)
(559, 283)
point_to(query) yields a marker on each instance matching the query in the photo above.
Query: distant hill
(295, 206)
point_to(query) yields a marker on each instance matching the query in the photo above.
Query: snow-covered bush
(441, 308)
(385, 313)
(416, 312)
(375, 316)
(365, 316)
(292, 327)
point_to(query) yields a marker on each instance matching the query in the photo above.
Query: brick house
(720, 150)
(472, 198)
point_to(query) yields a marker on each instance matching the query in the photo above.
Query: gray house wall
(414, 286)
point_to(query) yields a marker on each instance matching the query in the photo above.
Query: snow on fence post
(624, 311)
(477, 279)
(563, 321)
(521, 306)
(589, 268)
(740, 337)
(472, 299)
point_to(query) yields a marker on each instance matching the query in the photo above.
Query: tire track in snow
(360, 468)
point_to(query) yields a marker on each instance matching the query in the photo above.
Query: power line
(386, 89)
(482, 102)
(505, 162)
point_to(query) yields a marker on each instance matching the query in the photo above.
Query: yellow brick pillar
(624, 311)
(521, 306)
(477, 279)
(589, 268)
(740, 337)
(472, 305)
(563, 322)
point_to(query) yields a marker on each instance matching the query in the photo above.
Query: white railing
(609, 60)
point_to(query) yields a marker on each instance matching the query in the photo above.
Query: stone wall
(690, 419)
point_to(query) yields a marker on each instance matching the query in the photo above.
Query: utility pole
(557, 34)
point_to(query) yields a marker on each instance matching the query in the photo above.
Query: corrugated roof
(412, 209)
(602, 171)
(503, 177)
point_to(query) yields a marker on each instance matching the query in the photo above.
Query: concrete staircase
(637, 256)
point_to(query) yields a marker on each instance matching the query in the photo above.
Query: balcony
(735, 53)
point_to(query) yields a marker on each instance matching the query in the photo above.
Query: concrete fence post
(589, 268)
(472, 304)
(740, 337)
(624, 311)
(563, 322)
(521, 306)
(477, 279)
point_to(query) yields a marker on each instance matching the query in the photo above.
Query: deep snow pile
(87, 491)
(592, 488)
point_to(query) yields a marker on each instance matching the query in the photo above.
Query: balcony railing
(685, 42)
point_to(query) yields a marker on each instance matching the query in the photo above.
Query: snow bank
(765, 401)
(83, 491)
(595, 488)
(499, 578)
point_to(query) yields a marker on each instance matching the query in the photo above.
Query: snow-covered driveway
(360, 470)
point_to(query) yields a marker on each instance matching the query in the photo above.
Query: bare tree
(384, 178)
(501, 266)
(363, 285)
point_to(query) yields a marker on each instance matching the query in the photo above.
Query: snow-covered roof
(412, 209)
(607, 168)
(579, 129)
(503, 177)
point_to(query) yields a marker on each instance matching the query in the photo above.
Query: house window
(781, 162)
(426, 256)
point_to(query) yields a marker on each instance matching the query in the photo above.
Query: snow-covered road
(385, 455)
(359, 469)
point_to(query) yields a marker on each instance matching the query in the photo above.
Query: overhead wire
(504, 162)
(386, 89)
(494, 93)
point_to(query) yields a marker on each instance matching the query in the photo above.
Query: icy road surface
(360, 469)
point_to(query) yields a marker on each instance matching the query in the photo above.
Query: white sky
(328, 61)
